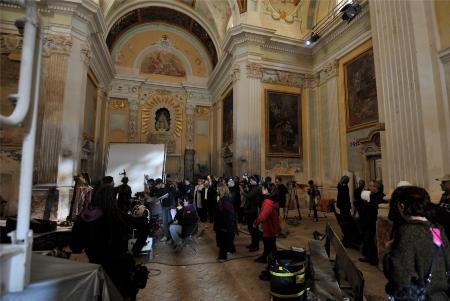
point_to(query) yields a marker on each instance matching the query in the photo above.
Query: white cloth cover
(60, 279)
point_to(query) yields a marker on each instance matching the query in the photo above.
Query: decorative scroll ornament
(57, 44)
(235, 73)
(10, 43)
(330, 69)
(254, 70)
(86, 54)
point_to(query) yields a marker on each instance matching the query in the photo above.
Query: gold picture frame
(283, 124)
(360, 92)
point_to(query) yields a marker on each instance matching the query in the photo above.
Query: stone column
(72, 128)
(189, 153)
(247, 116)
(415, 145)
(133, 107)
(100, 132)
(57, 48)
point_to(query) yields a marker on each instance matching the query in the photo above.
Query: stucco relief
(282, 78)
(10, 43)
(286, 10)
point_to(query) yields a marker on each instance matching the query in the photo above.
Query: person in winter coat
(251, 196)
(270, 221)
(417, 243)
(224, 222)
(369, 223)
(343, 196)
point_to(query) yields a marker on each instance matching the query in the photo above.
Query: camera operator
(251, 201)
(124, 195)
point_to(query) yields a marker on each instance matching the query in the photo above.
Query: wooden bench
(325, 284)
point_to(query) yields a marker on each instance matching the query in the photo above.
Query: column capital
(254, 70)
(57, 44)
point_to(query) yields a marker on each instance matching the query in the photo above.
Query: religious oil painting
(283, 124)
(163, 63)
(227, 126)
(361, 92)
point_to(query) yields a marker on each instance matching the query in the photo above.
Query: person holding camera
(251, 196)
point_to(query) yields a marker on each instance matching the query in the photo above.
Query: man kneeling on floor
(184, 224)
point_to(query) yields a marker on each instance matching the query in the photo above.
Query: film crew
(343, 196)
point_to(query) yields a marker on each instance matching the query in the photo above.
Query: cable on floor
(199, 263)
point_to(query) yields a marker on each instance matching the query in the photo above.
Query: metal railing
(15, 257)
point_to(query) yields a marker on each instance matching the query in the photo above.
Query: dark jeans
(254, 232)
(225, 243)
(269, 246)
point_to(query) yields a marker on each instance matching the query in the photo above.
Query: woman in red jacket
(268, 217)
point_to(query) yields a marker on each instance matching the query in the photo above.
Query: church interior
(293, 90)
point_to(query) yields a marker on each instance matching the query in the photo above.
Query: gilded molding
(118, 104)
(201, 111)
(57, 44)
(254, 70)
(190, 110)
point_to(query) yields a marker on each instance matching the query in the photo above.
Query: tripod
(294, 196)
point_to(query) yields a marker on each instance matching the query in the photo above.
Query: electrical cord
(158, 272)
(199, 263)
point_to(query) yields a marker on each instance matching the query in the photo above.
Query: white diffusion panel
(137, 160)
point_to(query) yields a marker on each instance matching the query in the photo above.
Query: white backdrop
(137, 160)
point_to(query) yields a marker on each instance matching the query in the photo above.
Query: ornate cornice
(57, 44)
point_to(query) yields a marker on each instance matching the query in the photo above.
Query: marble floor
(190, 276)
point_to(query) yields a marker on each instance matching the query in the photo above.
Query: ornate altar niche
(162, 120)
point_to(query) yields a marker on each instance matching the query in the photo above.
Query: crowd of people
(416, 260)
(419, 237)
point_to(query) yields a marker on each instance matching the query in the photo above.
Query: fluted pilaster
(247, 119)
(408, 97)
(56, 53)
(133, 107)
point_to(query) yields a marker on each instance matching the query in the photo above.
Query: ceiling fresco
(164, 15)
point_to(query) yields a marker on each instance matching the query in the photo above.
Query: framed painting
(360, 92)
(227, 119)
(283, 124)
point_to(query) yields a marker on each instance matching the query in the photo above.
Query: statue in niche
(162, 120)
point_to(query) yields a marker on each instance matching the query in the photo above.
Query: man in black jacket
(184, 224)
(251, 204)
